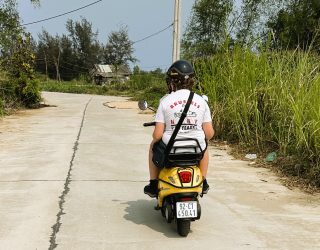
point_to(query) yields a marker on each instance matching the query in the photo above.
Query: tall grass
(148, 86)
(270, 101)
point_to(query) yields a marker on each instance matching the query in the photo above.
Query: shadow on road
(142, 212)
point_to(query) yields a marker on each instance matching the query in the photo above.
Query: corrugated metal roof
(104, 68)
(108, 71)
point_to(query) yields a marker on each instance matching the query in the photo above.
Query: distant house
(103, 73)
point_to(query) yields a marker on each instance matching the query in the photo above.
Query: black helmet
(180, 70)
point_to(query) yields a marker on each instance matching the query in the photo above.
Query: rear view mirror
(143, 105)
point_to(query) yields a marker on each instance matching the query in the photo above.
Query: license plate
(187, 209)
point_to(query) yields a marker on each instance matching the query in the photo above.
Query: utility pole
(176, 31)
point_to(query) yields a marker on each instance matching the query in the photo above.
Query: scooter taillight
(185, 176)
(186, 199)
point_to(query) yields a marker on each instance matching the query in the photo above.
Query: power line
(154, 34)
(63, 14)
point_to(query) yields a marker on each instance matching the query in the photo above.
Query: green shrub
(31, 96)
(9, 99)
(20, 76)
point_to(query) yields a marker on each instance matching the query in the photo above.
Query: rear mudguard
(173, 199)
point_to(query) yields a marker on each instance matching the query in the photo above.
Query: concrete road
(72, 175)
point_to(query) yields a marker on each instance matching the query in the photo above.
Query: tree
(250, 23)
(49, 54)
(119, 49)
(136, 70)
(68, 59)
(16, 55)
(157, 71)
(250, 14)
(20, 68)
(207, 28)
(297, 25)
(87, 49)
(9, 26)
(69, 56)
(217, 23)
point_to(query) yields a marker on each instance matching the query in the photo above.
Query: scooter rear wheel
(168, 213)
(183, 227)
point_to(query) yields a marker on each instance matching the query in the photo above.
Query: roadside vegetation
(18, 86)
(268, 102)
(260, 68)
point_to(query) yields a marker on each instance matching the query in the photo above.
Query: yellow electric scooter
(180, 182)
(179, 188)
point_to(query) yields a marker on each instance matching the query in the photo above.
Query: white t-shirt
(170, 110)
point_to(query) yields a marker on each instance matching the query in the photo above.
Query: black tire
(183, 227)
(168, 213)
(199, 210)
(163, 212)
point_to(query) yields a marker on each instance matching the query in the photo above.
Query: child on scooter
(197, 124)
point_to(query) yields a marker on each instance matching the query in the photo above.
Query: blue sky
(143, 17)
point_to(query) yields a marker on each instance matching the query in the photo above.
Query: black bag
(159, 156)
(160, 149)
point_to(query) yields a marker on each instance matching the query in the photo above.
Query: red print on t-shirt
(176, 103)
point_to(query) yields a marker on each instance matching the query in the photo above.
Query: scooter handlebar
(149, 124)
